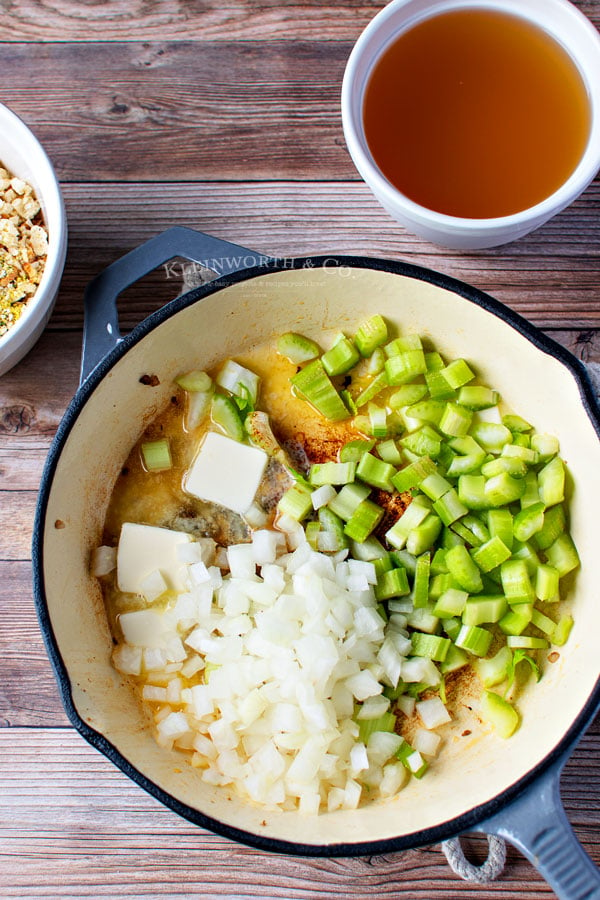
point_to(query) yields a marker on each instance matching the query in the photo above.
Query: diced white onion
(433, 712)
(104, 561)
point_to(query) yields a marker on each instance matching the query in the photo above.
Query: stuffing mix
(23, 247)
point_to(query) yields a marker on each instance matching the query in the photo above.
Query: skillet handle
(536, 824)
(101, 332)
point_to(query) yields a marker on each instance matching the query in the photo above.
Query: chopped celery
(515, 581)
(551, 481)
(412, 516)
(555, 522)
(332, 473)
(526, 642)
(193, 381)
(500, 524)
(484, 608)
(389, 453)
(562, 630)
(225, 413)
(349, 498)
(477, 397)
(405, 366)
(425, 441)
(156, 455)
(450, 507)
(463, 569)
(367, 727)
(438, 387)
(296, 502)
(503, 489)
(516, 620)
(496, 669)
(372, 390)
(544, 623)
(353, 450)
(455, 420)
(376, 362)
(562, 554)
(421, 581)
(499, 713)
(297, 348)
(378, 420)
(314, 385)
(371, 334)
(375, 472)
(426, 410)
(491, 554)
(413, 474)
(546, 583)
(365, 518)
(529, 521)
(457, 373)
(424, 535)
(491, 435)
(451, 603)
(407, 394)
(340, 358)
(474, 640)
(392, 583)
(430, 645)
(516, 423)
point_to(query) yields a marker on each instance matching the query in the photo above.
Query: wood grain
(550, 277)
(125, 843)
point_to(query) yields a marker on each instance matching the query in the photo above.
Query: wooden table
(223, 117)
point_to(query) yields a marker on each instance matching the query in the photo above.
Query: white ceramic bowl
(562, 21)
(23, 155)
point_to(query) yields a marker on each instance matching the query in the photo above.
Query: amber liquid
(476, 113)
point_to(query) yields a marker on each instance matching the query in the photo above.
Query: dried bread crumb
(23, 247)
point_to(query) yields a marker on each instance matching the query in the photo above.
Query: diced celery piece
(562, 554)
(435, 486)
(457, 373)
(438, 563)
(375, 472)
(376, 362)
(156, 455)
(405, 366)
(451, 603)
(331, 523)
(377, 420)
(225, 413)
(516, 423)
(345, 503)
(193, 381)
(413, 474)
(425, 441)
(426, 410)
(340, 358)
(424, 535)
(526, 642)
(471, 492)
(367, 727)
(526, 553)
(389, 453)
(455, 659)
(529, 521)
(400, 344)
(332, 473)
(370, 550)
(297, 348)
(500, 464)
(421, 581)
(474, 639)
(372, 390)
(370, 334)
(544, 623)
(393, 583)
(515, 582)
(503, 489)
(546, 583)
(430, 646)
(452, 627)
(551, 482)
(353, 450)
(455, 420)
(500, 524)
(450, 507)
(472, 530)
(365, 518)
(491, 435)
(517, 451)
(405, 560)
(434, 361)
(494, 670)
(407, 394)
(477, 397)
(491, 554)
(484, 608)
(438, 387)
(499, 713)
(562, 630)
(546, 445)
(516, 620)
(412, 516)
(296, 502)
(555, 522)
(315, 386)
(463, 569)
(531, 495)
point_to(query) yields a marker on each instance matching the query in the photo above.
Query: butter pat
(144, 549)
(226, 472)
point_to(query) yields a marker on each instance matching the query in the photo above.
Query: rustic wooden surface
(223, 117)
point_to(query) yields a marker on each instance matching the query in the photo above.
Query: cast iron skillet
(529, 813)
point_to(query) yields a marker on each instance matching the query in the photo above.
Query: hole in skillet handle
(101, 332)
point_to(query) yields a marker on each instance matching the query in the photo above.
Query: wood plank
(173, 112)
(164, 20)
(551, 277)
(108, 838)
(171, 20)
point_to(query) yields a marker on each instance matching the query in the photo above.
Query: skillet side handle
(101, 322)
(536, 824)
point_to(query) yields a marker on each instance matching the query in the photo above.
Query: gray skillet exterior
(530, 805)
